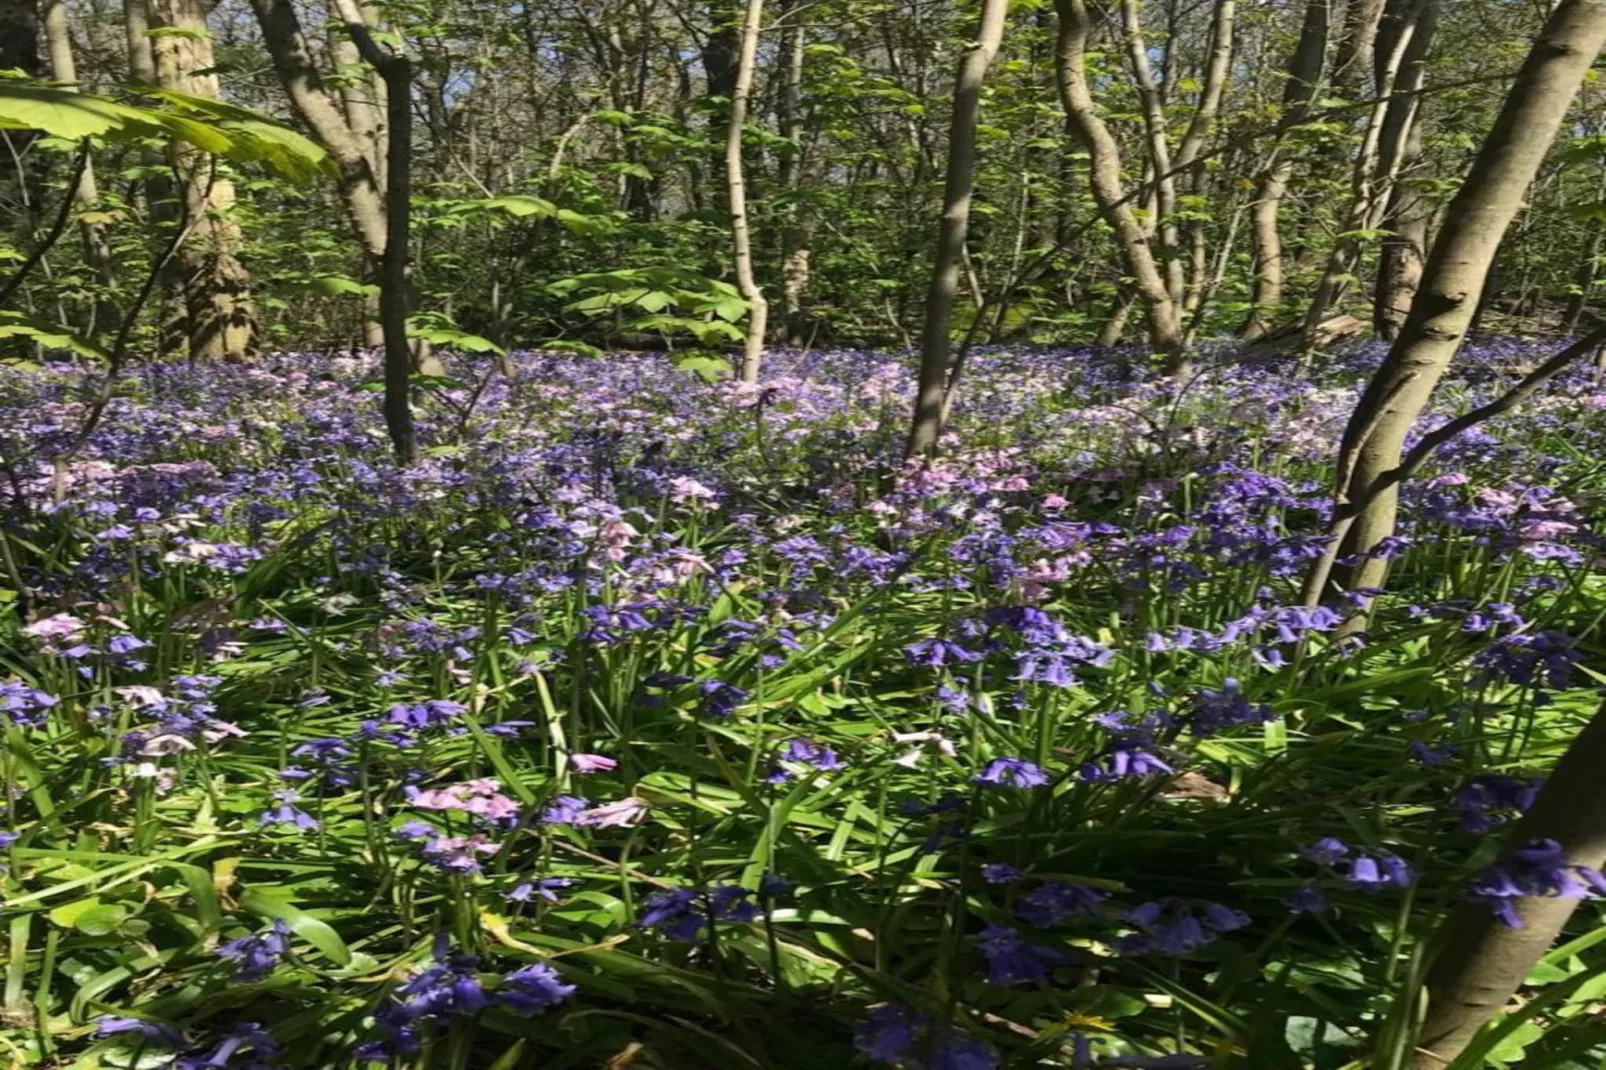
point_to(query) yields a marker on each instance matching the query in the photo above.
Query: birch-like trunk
(934, 386)
(220, 321)
(1370, 176)
(1454, 277)
(758, 308)
(1403, 249)
(1104, 167)
(1481, 961)
(58, 42)
(1304, 74)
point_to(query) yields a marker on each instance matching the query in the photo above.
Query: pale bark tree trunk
(795, 241)
(952, 231)
(363, 190)
(362, 99)
(1456, 271)
(58, 42)
(1104, 167)
(1405, 217)
(397, 71)
(1370, 174)
(1481, 961)
(1216, 73)
(136, 26)
(736, 195)
(1304, 74)
(220, 321)
(1356, 43)
(1164, 185)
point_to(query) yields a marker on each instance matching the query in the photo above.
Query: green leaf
(264, 904)
(334, 285)
(50, 335)
(90, 916)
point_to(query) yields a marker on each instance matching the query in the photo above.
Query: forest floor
(656, 722)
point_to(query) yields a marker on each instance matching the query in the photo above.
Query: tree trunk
(1369, 174)
(952, 231)
(58, 41)
(1104, 168)
(1456, 271)
(1405, 217)
(292, 60)
(362, 101)
(1163, 221)
(736, 194)
(795, 231)
(1304, 73)
(220, 321)
(1481, 961)
(397, 71)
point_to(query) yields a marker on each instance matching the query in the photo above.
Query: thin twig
(56, 229)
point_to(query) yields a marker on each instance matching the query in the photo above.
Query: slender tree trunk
(1115, 322)
(953, 229)
(1369, 174)
(795, 242)
(58, 41)
(1584, 280)
(292, 59)
(1455, 274)
(1481, 961)
(397, 71)
(1405, 217)
(362, 101)
(736, 195)
(1304, 74)
(1163, 223)
(1104, 167)
(220, 320)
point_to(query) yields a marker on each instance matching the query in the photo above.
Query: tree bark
(953, 229)
(736, 195)
(292, 60)
(397, 71)
(363, 102)
(1405, 216)
(220, 322)
(795, 231)
(1455, 274)
(1370, 173)
(1481, 961)
(1304, 74)
(1163, 224)
(58, 42)
(1104, 167)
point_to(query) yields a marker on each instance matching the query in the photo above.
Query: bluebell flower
(1057, 902)
(1000, 873)
(1326, 851)
(1011, 959)
(565, 810)
(816, 755)
(897, 1035)
(287, 813)
(1012, 772)
(109, 1025)
(1214, 711)
(546, 888)
(1175, 927)
(1541, 868)
(1307, 899)
(1374, 874)
(533, 989)
(258, 955)
(682, 913)
(938, 653)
